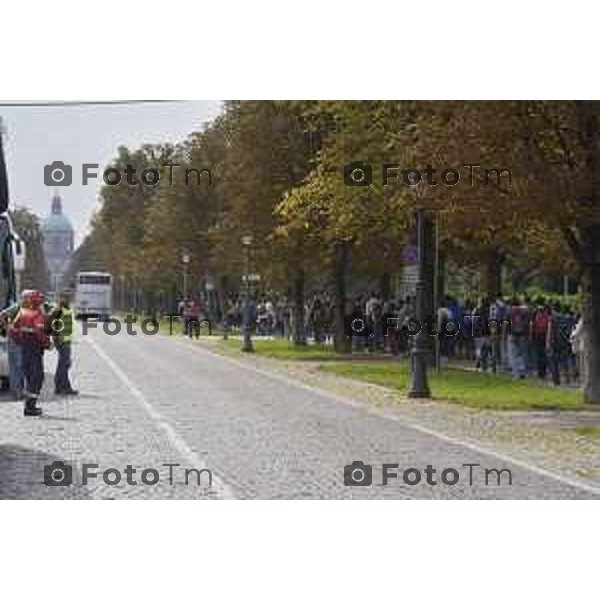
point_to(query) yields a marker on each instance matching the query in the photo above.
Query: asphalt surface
(154, 401)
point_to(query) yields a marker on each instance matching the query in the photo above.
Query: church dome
(56, 220)
(58, 242)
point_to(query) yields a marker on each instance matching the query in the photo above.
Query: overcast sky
(34, 137)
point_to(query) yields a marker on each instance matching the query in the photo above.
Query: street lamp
(185, 261)
(247, 345)
(419, 387)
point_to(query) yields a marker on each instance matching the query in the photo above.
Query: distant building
(58, 240)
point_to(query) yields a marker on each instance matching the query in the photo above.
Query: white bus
(93, 295)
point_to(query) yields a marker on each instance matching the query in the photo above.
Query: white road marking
(221, 489)
(410, 423)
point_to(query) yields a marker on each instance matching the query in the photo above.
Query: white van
(93, 295)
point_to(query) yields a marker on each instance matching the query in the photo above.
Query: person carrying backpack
(519, 337)
(480, 332)
(539, 338)
(500, 328)
(558, 347)
(374, 310)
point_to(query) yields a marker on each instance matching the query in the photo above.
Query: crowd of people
(272, 314)
(519, 335)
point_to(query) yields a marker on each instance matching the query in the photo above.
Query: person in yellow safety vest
(61, 327)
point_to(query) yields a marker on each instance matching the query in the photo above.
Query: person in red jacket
(28, 329)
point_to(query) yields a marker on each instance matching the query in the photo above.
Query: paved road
(153, 401)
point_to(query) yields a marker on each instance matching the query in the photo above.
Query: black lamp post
(247, 345)
(419, 387)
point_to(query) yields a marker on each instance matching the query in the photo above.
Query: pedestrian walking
(28, 329)
(195, 317)
(500, 329)
(519, 337)
(228, 317)
(374, 312)
(406, 312)
(190, 310)
(579, 347)
(539, 337)
(61, 328)
(481, 336)
(558, 348)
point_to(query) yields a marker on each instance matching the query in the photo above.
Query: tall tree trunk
(299, 329)
(385, 286)
(441, 279)
(492, 276)
(341, 341)
(430, 309)
(590, 248)
(591, 324)
(429, 300)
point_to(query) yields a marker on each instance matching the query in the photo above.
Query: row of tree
(277, 174)
(27, 226)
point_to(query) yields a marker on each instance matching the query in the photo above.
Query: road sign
(408, 280)
(251, 277)
(410, 255)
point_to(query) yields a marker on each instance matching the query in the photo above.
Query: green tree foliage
(277, 174)
(27, 226)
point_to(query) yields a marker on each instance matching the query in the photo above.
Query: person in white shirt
(578, 345)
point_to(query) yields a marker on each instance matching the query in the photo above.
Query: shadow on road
(22, 476)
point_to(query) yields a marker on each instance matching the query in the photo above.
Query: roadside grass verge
(284, 350)
(476, 390)
(468, 388)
